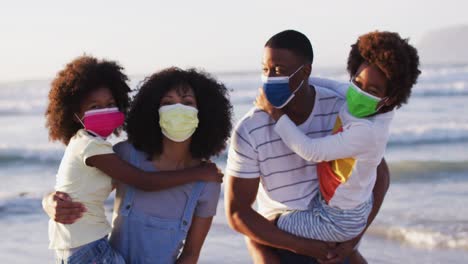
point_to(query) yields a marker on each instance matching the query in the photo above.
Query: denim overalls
(142, 238)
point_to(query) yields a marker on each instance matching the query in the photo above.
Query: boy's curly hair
(394, 56)
(214, 112)
(72, 84)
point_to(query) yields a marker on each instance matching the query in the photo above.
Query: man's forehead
(279, 56)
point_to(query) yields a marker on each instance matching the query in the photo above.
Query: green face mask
(360, 103)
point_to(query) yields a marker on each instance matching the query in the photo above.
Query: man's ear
(307, 71)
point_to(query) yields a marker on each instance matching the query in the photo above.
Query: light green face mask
(360, 103)
(178, 122)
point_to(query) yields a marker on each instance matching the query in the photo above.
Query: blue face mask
(277, 89)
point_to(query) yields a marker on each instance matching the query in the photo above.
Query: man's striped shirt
(287, 181)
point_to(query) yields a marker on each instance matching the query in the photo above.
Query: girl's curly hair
(72, 84)
(394, 56)
(214, 112)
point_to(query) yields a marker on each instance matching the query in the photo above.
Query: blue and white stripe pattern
(326, 223)
(288, 182)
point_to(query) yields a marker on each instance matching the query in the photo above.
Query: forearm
(326, 148)
(250, 223)
(122, 171)
(195, 239)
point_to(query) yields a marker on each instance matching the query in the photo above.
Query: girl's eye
(111, 105)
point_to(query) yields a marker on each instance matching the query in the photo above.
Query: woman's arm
(195, 238)
(122, 171)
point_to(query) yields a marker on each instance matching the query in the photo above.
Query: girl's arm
(195, 238)
(122, 171)
(347, 144)
(339, 87)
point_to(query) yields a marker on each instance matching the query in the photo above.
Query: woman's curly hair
(394, 56)
(72, 84)
(214, 112)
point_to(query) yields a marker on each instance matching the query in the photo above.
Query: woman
(177, 120)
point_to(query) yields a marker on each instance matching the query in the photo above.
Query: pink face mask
(103, 121)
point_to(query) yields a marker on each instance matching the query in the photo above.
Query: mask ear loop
(79, 120)
(298, 69)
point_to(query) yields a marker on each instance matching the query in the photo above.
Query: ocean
(424, 218)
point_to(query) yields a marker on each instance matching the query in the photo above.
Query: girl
(383, 68)
(87, 103)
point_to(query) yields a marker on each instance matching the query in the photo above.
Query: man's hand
(60, 208)
(208, 171)
(262, 103)
(340, 252)
(317, 249)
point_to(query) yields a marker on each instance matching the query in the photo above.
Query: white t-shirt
(356, 151)
(287, 180)
(86, 185)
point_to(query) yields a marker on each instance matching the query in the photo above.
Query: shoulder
(83, 140)
(122, 147)
(337, 88)
(252, 119)
(211, 190)
(125, 150)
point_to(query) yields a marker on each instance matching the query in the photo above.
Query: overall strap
(127, 204)
(190, 205)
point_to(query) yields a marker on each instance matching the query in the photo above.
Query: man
(257, 155)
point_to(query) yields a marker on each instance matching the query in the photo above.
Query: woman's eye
(111, 105)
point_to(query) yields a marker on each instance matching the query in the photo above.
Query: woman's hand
(60, 208)
(208, 171)
(262, 103)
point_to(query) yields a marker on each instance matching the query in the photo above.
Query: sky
(38, 37)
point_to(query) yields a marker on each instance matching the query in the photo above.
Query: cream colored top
(84, 184)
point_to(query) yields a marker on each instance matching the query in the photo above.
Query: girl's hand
(60, 208)
(208, 171)
(262, 103)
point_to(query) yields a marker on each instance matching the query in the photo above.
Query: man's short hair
(293, 41)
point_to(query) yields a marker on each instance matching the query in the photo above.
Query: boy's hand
(60, 208)
(262, 103)
(208, 171)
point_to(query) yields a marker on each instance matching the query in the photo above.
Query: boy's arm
(122, 171)
(346, 144)
(195, 239)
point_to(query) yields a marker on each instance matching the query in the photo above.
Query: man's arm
(381, 186)
(240, 194)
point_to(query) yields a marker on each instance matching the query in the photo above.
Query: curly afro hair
(72, 84)
(214, 112)
(394, 56)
